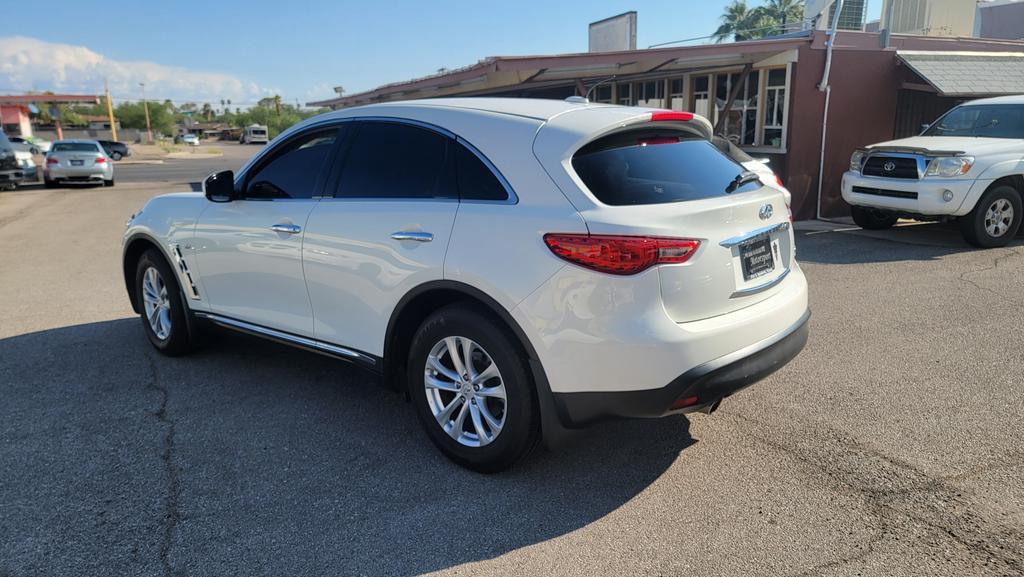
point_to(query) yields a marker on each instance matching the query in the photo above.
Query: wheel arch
(421, 301)
(138, 244)
(1014, 180)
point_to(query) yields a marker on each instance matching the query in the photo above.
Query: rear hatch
(659, 179)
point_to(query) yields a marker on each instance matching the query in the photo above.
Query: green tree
(133, 115)
(786, 13)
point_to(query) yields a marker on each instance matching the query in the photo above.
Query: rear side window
(293, 170)
(476, 181)
(75, 147)
(390, 160)
(656, 166)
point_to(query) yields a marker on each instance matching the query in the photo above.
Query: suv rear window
(656, 166)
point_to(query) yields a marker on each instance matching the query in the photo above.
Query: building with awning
(14, 110)
(763, 95)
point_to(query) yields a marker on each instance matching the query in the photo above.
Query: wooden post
(723, 116)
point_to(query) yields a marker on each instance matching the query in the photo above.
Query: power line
(783, 27)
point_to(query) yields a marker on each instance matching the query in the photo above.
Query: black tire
(973, 226)
(520, 431)
(177, 341)
(872, 218)
(47, 183)
(108, 182)
(115, 155)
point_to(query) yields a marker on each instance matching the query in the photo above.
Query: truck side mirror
(220, 186)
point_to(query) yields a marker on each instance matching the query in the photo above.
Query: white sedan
(517, 266)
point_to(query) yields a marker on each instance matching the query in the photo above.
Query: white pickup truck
(967, 166)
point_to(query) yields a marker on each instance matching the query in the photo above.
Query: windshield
(658, 166)
(988, 120)
(74, 147)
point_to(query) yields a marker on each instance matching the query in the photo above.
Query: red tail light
(622, 255)
(670, 116)
(52, 161)
(100, 160)
(683, 403)
(658, 140)
(778, 181)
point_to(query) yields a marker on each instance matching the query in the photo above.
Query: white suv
(968, 165)
(517, 266)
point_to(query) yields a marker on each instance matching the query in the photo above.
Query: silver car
(78, 161)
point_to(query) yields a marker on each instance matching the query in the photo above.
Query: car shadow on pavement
(853, 245)
(252, 457)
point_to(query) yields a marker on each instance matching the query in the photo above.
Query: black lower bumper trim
(709, 382)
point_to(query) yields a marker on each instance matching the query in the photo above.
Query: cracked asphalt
(891, 446)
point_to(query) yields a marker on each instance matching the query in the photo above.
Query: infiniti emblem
(766, 212)
(889, 166)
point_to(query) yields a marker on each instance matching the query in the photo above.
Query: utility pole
(110, 111)
(145, 106)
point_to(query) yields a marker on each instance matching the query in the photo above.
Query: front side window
(982, 120)
(655, 166)
(293, 170)
(391, 160)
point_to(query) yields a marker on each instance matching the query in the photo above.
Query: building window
(741, 121)
(675, 94)
(774, 108)
(603, 93)
(625, 96)
(701, 97)
(651, 93)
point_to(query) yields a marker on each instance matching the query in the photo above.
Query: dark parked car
(115, 150)
(10, 171)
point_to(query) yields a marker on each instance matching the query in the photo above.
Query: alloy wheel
(465, 391)
(156, 303)
(998, 217)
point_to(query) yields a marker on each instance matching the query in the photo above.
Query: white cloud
(33, 64)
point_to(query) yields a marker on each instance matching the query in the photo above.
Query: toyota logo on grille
(889, 166)
(766, 212)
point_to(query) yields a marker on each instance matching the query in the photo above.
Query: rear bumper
(76, 173)
(709, 382)
(8, 176)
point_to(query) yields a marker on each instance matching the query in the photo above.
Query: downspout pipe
(823, 86)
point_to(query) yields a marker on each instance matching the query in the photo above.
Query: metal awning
(968, 73)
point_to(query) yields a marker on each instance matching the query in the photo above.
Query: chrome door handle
(287, 228)
(412, 235)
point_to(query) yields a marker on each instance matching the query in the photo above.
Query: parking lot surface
(890, 446)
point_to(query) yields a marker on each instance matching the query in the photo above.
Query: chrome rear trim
(761, 287)
(737, 240)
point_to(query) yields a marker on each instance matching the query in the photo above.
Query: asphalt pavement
(891, 446)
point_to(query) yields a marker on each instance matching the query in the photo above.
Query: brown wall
(862, 111)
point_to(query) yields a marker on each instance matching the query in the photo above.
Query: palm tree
(743, 23)
(785, 13)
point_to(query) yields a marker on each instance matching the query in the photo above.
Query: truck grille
(891, 167)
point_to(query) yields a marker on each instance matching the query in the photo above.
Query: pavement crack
(171, 513)
(993, 266)
(898, 495)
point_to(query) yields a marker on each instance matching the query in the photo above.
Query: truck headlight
(857, 160)
(949, 166)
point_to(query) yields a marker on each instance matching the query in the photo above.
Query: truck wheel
(872, 218)
(995, 219)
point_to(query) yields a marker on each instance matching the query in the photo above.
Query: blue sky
(203, 50)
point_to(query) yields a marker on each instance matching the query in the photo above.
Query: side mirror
(220, 186)
(925, 127)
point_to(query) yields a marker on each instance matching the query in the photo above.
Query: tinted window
(476, 181)
(388, 160)
(293, 170)
(991, 120)
(655, 166)
(75, 147)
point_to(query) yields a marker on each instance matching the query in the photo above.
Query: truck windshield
(988, 120)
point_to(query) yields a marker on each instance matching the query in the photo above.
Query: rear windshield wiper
(742, 178)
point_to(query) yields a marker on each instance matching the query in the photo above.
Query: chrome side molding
(290, 339)
(740, 239)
